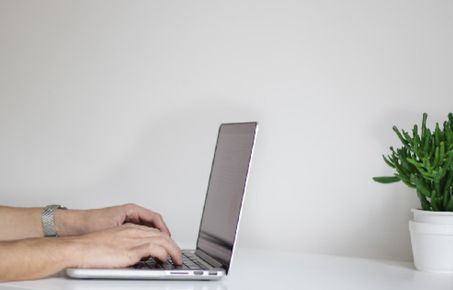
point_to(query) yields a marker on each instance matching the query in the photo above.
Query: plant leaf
(389, 163)
(450, 204)
(386, 179)
(400, 136)
(425, 203)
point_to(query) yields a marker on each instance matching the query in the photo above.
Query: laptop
(212, 258)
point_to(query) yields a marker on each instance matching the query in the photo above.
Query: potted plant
(424, 162)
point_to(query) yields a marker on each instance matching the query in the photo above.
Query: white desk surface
(257, 269)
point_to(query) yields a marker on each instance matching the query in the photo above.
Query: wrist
(77, 250)
(69, 222)
(69, 250)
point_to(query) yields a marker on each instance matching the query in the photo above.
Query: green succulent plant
(425, 162)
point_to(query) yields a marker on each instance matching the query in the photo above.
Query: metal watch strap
(48, 220)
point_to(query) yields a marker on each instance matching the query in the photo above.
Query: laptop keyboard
(190, 262)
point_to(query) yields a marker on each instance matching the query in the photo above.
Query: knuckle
(161, 235)
(128, 227)
(131, 231)
(161, 240)
(130, 205)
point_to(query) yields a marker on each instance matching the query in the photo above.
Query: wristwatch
(48, 220)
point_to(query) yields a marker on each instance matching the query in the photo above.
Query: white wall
(105, 102)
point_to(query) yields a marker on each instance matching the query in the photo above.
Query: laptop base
(141, 271)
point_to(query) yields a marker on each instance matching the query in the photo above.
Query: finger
(140, 231)
(153, 250)
(147, 217)
(141, 228)
(171, 247)
(155, 219)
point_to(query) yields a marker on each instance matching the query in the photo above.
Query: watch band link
(48, 220)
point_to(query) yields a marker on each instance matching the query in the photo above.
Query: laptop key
(168, 266)
(140, 265)
(156, 266)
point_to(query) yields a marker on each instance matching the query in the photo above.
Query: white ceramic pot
(432, 241)
(433, 217)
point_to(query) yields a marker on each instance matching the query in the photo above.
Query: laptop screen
(225, 191)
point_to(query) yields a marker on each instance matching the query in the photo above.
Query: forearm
(35, 258)
(20, 223)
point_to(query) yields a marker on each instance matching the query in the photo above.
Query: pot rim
(429, 212)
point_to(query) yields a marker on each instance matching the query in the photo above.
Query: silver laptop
(211, 260)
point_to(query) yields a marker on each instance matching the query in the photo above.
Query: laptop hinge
(213, 262)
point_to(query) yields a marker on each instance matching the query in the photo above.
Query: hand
(117, 247)
(80, 222)
(123, 246)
